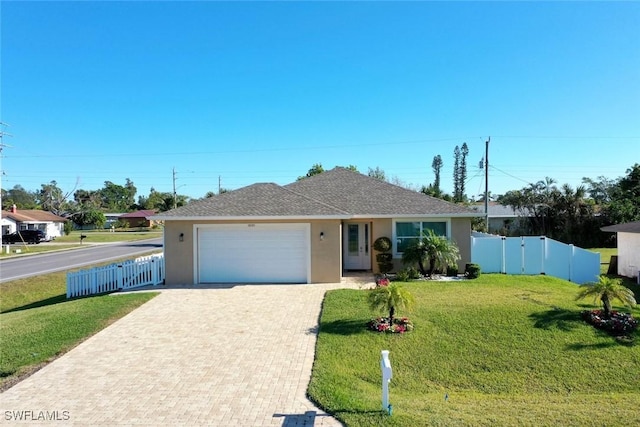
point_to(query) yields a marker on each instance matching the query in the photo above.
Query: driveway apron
(236, 356)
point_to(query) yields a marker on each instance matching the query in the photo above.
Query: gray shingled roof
(335, 193)
(629, 227)
(363, 195)
(496, 210)
(257, 200)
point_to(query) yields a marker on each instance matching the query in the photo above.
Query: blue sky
(260, 91)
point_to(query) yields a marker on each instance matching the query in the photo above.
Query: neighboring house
(309, 231)
(112, 219)
(628, 247)
(503, 220)
(32, 219)
(138, 218)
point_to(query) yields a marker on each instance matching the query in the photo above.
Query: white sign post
(387, 373)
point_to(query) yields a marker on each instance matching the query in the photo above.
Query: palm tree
(390, 298)
(438, 251)
(607, 289)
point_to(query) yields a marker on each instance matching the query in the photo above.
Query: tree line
(87, 207)
(556, 211)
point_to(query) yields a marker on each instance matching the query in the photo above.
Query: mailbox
(387, 374)
(82, 237)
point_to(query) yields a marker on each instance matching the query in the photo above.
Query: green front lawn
(38, 323)
(504, 350)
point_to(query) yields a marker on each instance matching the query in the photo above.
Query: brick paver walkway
(236, 356)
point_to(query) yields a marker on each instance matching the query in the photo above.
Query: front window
(409, 232)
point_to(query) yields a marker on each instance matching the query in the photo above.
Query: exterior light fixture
(181, 238)
(322, 235)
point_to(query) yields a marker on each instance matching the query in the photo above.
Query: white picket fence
(534, 255)
(143, 271)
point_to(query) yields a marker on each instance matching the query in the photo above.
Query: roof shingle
(336, 193)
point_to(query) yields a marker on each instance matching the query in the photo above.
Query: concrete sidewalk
(235, 356)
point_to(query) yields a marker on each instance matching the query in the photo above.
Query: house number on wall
(251, 225)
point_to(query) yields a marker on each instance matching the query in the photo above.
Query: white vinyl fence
(143, 271)
(535, 255)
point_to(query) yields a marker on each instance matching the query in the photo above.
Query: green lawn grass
(506, 350)
(107, 236)
(35, 249)
(38, 323)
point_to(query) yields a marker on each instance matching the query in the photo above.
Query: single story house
(32, 219)
(309, 231)
(138, 218)
(504, 220)
(628, 247)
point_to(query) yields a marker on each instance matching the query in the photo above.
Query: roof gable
(362, 195)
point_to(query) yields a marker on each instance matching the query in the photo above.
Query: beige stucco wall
(326, 254)
(326, 259)
(461, 236)
(381, 228)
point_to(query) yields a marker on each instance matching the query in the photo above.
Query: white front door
(356, 246)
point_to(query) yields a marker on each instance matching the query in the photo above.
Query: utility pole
(219, 184)
(486, 183)
(175, 196)
(2, 145)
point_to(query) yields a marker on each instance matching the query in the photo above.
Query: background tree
(90, 217)
(456, 174)
(436, 166)
(86, 198)
(377, 173)
(315, 170)
(118, 198)
(51, 198)
(20, 197)
(625, 198)
(462, 174)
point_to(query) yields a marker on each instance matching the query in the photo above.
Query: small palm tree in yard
(390, 298)
(438, 251)
(606, 290)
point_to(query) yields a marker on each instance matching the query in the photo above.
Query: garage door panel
(267, 253)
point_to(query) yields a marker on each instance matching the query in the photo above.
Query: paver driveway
(237, 356)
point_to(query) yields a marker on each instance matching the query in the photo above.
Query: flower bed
(618, 324)
(381, 324)
(382, 281)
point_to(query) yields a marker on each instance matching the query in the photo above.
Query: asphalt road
(33, 265)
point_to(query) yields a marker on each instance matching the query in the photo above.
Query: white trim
(198, 227)
(306, 218)
(394, 238)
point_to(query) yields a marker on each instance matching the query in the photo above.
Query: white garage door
(253, 253)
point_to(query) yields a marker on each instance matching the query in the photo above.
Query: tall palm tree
(606, 290)
(390, 298)
(438, 251)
